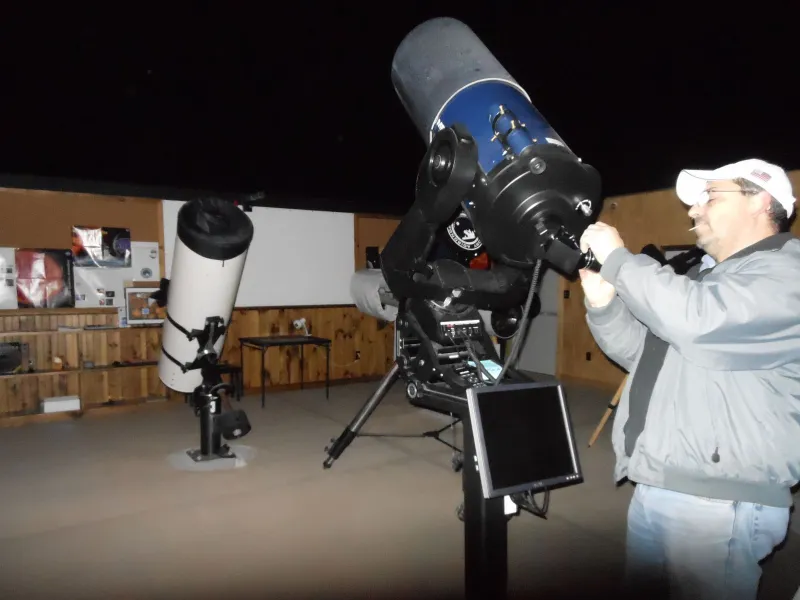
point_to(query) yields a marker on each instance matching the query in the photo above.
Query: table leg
(327, 370)
(263, 376)
(301, 365)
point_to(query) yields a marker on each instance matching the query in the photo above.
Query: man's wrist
(598, 305)
(613, 264)
(600, 315)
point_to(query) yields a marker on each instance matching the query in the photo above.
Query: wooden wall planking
(657, 217)
(22, 394)
(132, 381)
(371, 230)
(44, 219)
(101, 347)
(50, 319)
(360, 348)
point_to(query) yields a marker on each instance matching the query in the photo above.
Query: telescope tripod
(485, 519)
(353, 430)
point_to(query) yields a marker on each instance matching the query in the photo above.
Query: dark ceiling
(297, 102)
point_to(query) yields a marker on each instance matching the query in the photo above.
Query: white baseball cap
(691, 184)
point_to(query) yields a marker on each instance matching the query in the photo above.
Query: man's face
(720, 221)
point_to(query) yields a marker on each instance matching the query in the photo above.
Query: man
(708, 427)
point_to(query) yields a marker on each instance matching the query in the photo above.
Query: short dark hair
(777, 214)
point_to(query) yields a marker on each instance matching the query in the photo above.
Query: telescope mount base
(485, 519)
(207, 405)
(224, 452)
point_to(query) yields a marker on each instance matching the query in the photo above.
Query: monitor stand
(485, 519)
(485, 530)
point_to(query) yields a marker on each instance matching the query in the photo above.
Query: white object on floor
(183, 462)
(61, 404)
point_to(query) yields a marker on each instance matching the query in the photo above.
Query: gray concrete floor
(93, 509)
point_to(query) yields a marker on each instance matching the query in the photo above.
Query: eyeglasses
(706, 194)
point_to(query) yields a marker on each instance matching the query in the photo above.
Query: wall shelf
(124, 359)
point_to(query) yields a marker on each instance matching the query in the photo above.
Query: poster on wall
(101, 247)
(99, 287)
(106, 287)
(142, 307)
(44, 278)
(8, 279)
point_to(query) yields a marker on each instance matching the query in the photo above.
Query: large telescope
(211, 246)
(533, 197)
(496, 178)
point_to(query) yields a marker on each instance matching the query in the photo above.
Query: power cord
(515, 346)
(478, 364)
(527, 502)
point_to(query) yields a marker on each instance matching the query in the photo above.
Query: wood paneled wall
(102, 347)
(44, 319)
(102, 367)
(658, 218)
(23, 394)
(44, 219)
(371, 230)
(360, 347)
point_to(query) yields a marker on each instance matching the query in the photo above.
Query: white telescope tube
(210, 250)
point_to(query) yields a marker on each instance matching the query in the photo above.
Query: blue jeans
(681, 546)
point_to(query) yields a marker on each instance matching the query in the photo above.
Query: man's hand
(597, 290)
(602, 240)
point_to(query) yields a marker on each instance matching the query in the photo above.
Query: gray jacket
(721, 416)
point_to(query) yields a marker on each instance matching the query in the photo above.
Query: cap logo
(761, 175)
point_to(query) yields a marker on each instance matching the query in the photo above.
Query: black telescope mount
(207, 399)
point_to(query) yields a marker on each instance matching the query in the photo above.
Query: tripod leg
(610, 409)
(350, 433)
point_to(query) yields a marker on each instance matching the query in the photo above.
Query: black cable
(515, 346)
(478, 364)
(527, 502)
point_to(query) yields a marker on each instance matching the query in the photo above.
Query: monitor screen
(523, 437)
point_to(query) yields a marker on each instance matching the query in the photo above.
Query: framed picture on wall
(45, 278)
(101, 247)
(141, 308)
